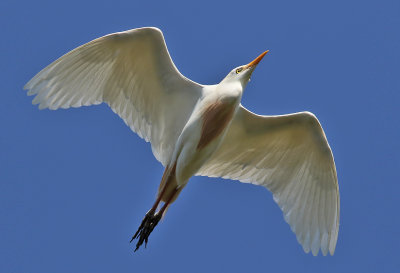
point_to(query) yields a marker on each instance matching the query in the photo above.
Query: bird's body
(205, 129)
(199, 129)
(198, 141)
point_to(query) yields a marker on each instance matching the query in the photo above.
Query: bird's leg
(150, 221)
(164, 208)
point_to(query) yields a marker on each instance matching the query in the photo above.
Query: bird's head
(243, 73)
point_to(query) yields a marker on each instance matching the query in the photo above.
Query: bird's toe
(149, 222)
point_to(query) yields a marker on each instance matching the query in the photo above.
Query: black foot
(146, 227)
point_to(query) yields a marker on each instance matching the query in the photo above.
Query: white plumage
(199, 129)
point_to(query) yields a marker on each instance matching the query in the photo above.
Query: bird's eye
(239, 70)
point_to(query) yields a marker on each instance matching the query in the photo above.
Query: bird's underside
(202, 130)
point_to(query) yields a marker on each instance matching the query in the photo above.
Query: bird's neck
(229, 89)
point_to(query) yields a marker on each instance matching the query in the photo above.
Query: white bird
(197, 129)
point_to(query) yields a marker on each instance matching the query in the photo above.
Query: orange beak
(257, 60)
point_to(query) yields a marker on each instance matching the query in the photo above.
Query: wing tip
(29, 86)
(315, 251)
(147, 30)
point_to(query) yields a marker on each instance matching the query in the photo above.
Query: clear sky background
(75, 184)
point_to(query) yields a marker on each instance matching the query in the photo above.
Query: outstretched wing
(290, 156)
(133, 73)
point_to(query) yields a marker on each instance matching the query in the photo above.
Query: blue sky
(75, 184)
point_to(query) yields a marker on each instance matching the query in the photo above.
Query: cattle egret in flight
(197, 129)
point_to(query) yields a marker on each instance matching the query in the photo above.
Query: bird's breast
(215, 118)
(203, 134)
